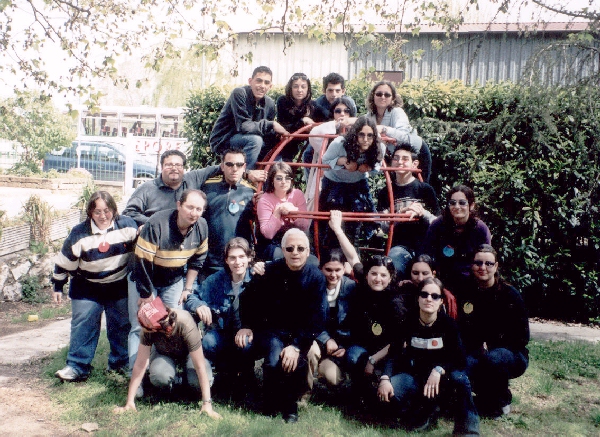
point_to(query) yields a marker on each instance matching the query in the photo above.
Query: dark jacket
(242, 115)
(289, 304)
(290, 116)
(336, 317)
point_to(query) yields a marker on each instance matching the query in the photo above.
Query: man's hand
(432, 386)
(279, 129)
(57, 297)
(415, 209)
(256, 176)
(244, 337)
(289, 359)
(142, 300)
(205, 314)
(369, 368)
(333, 349)
(258, 268)
(128, 406)
(208, 409)
(184, 295)
(385, 391)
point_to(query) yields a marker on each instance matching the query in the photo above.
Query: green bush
(32, 290)
(532, 156)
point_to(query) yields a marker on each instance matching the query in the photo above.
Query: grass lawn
(559, 395)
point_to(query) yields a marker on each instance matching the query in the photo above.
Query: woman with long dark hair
(453, 238)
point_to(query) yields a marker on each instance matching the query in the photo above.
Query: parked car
(105, 162)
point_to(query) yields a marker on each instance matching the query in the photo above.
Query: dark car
(106, 162)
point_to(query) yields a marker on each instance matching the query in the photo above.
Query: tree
(32, 121)
(85, 38)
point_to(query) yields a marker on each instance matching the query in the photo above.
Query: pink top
(269, 224)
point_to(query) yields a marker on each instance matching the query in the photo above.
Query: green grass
(44, 313)
(557, 396)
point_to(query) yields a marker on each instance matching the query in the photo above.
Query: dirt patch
(25, 408)
(11, 312)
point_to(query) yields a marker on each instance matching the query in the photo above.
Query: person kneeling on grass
(176, 339)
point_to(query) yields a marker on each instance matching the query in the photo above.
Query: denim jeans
(219, 348)
(163, 372)
(170, 296)
(401, 257)
(85, 332)
(455, 389)
(250, 144)
(489, 373)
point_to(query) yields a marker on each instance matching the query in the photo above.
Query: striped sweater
(92, 269)
(162, 251)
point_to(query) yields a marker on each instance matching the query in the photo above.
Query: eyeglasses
(299, 76)
(425, 295)
(237, 164)
(461, 202)
(380, 94)
(401, 158)
(290, 249)
(340, 110)
(98, 213)
(171, 165)
(282, 178)
(364, 135)
(480, 263)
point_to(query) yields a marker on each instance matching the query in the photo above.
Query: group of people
(179, 277)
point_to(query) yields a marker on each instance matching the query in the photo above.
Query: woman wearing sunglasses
(427, 363)
(345, 185)
(296, 109)
(273, 208)
(384, 107)
(495, 329)
(453, 238)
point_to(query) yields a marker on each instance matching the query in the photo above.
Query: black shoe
(290, 418)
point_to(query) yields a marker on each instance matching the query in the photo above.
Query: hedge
(532, 156)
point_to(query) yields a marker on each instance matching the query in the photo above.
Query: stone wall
(16, 266)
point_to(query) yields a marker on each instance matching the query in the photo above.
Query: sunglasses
(290, 249)
(340, 110)
(237, 164)
(364, 135)
(282, 178)
(299, 76)
(480, 263)
(461, 202)
(425, 295)
(380, 94)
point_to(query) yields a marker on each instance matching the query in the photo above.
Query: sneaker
(69, 374)
(139, 393)
(506, 410)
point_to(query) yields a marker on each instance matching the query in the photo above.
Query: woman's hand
(286, 207)
(351, 166)
(129, 406)
(385, 391)
(208, 409)
(432, 386)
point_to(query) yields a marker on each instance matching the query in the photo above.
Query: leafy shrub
(32, 290)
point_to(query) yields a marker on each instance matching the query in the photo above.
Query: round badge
(468, 307)
(234, 208)
(103, 247)
(448, 251)
(434, 342)
(376, 329)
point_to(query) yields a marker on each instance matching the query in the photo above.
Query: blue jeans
(163, 372)
(250, 144)
(85, 332)
(401, 257)
(410, 404)
(489, 373)
(170, 296)
(219, 348)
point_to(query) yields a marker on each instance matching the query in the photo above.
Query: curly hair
(396, 99)
(373, 154)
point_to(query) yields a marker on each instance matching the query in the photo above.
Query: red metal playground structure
(315, 214)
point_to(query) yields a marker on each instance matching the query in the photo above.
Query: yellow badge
(468, 307)
(376, 329)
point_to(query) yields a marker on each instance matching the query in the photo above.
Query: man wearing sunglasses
(282, 312)
(247, 121)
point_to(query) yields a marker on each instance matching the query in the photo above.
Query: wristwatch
(372, 360)
(439, 370)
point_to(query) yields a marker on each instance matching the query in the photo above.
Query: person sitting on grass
(169, 338)
(494, 326)
(427, 361)
(96, 254)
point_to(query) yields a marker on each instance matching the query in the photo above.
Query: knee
(210, 342)
(460, 381)
(331, 372)
(400, 257)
